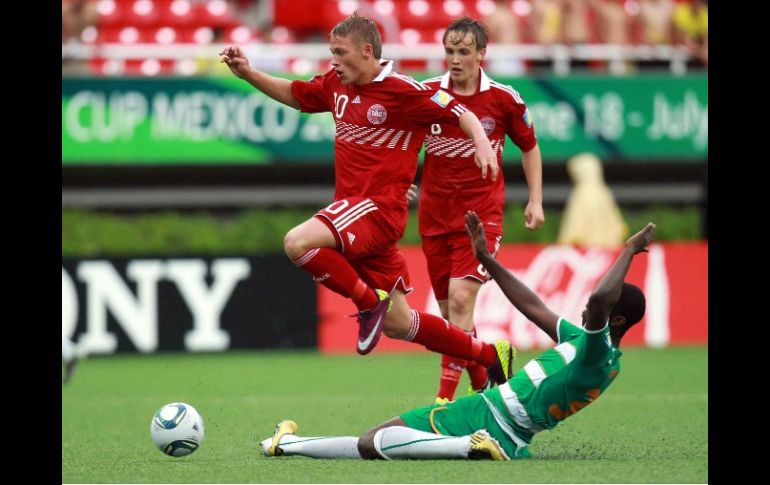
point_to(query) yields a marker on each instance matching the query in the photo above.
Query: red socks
(440, 336)
(477, 373)
(332, 270)
(451, 370)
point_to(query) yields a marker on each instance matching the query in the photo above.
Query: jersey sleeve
(519, 125)
(311, 94)
(426, 106)
(567, 331)
(596, 348)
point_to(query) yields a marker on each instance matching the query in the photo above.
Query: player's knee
(461, 302)
(366, 445)
(293, 244)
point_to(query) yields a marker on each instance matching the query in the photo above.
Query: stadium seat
(305, 22)
(178, 13)
(141, 13)
(110, 12)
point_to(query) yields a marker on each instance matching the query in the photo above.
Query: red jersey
(380, 128)
(451, 181)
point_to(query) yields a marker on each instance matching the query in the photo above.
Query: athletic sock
(476, 372)
(451, 370)
(332, 270)
(400, 442)
(320, 446)
(438, 335)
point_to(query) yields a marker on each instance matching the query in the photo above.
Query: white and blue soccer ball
(177, 429)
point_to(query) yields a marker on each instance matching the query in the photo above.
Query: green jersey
(557, 384)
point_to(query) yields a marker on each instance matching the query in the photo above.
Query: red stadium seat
(141, 13)
(304, 21)
(215, 13)
(166, 35)
(177, 12)
(110, 12)
(239, 35)
(422, 14)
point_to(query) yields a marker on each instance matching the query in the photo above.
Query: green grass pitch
(650, 426)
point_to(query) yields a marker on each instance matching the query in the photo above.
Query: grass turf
(650, 426)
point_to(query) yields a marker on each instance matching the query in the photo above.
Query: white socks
(319, 447)
(399, 442)
(392, 443)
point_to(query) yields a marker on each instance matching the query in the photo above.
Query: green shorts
(462, 417)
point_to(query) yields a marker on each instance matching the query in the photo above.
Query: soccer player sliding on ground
(499, 423)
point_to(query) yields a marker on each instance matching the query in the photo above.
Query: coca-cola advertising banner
(673, 276)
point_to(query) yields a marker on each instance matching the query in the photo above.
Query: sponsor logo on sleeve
(442, 98)
(527, 118)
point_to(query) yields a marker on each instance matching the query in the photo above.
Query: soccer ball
(177, 429)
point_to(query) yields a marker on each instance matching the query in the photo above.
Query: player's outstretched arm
(277, 88)
(533, 171)
(524, 299)
(607, 291)
(485, 157)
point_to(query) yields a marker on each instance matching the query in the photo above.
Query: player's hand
(411, 193)
(533, 216)
(235, 60)
(639, 241)
(486, 159)
(474, 228)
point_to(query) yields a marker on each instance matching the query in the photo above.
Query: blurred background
(179, 180)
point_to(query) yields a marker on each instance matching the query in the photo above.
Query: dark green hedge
(86, 233)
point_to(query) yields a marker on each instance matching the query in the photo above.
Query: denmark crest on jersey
(442, 98)
(377, 114)
(488, 123)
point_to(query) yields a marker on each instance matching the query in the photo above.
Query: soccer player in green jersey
(499, 423)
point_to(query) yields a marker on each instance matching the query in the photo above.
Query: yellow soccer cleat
(281, 429)
(485, 447)
(488, 385)
(384, 294)
(501, 371)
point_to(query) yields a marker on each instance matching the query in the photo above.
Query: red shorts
(368, 242)
(450, 256)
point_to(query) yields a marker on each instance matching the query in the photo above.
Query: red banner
(674, 278)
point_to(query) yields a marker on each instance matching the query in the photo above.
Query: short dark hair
(466, 25)
(630, 305)
(363, 29)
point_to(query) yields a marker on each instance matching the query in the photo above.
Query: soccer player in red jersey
(451, 186)
(382, 118)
